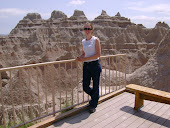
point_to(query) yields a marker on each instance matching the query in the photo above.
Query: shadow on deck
(116, 112)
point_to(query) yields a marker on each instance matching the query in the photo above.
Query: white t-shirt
(89, 47)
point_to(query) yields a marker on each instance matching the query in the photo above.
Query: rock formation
(32, 16)
(163, 24)
(156, 72)
(36, 40)
(79, 16)
(58, 15)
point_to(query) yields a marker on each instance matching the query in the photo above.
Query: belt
(90, 62)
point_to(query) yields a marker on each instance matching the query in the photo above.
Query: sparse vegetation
(67, 104)
(11, 124)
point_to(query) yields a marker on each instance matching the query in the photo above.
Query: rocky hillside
(35, 40)
(156, 72)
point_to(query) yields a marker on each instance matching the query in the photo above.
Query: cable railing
(32, 93)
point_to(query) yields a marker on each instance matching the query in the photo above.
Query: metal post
(2, 101)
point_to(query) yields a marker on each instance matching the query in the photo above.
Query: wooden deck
(118, 112)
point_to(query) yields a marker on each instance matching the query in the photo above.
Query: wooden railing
(30, 93)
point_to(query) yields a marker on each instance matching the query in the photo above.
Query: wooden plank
(138, 101)
(111, 103)
(78, 121)
(98, 116)
(149, 91)
(154, 117)
(118, 112)
(166, 124)
(76, 118)
(127, 118)
(159, 122)
(153, 98)
(115, 100)
(51, 120)
(126, 114)
(112, 115)
(148, 94)
(146, 120)
(137, 115)
(141, 117)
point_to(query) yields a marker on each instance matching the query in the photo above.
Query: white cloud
(8, 12)
(77, 2)
(149, 14)
(149, 18)
(160, 9)
(143, 18)
(136, 3)
(13, 11)
(149, 21)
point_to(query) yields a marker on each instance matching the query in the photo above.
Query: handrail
(52, 62)
(35, 65)
(49, 88)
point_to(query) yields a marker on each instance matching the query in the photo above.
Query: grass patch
(11, 124)
(67, 104)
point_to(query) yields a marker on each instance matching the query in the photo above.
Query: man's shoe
(92, 110)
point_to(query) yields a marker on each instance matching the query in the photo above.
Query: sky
(146, 12)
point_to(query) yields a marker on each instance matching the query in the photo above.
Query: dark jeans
(92, 70)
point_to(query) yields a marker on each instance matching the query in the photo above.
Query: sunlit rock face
(156, 72)
(35, 40)
(58, 15)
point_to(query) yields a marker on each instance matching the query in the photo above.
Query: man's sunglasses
(87, 29)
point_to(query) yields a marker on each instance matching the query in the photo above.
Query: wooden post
(138, 101)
